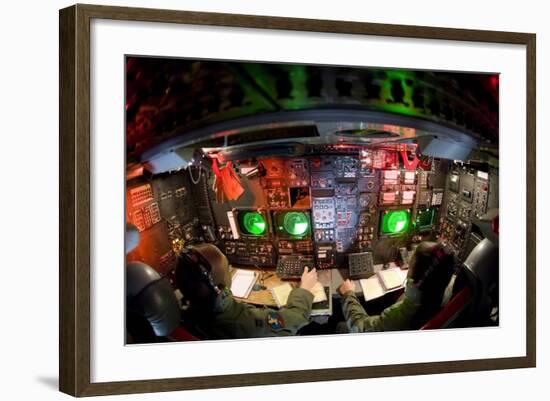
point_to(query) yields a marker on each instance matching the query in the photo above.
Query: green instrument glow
(395, 222)
(252, 223)
(296, 223)
(425, 218)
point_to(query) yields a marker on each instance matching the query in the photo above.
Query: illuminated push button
(254, 223)
(296, 223)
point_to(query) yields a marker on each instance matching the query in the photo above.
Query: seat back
(152, 307)
(451, 311)
(473, 289)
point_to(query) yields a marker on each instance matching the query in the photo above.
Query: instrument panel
(467, 198)
(326, 206)
(323, 206)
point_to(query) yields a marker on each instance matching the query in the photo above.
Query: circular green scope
(253, 223)
(395, 222)
(296, 223)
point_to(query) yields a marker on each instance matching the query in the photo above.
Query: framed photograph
(235, 185)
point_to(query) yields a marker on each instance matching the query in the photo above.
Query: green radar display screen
(425, 219)
(394, 222)
(252, 223)
(296, 223)
(292, 224)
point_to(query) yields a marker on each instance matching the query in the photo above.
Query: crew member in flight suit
(427, 278)
(217, 315)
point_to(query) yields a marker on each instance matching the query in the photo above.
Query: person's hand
(346, 286)
(309, 279)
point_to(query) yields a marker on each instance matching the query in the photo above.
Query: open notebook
(322, 301)
(281, 292)
(382, 282)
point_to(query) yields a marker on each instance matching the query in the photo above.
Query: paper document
(383, 282)
(371, 287)
(392, 278)
(280, 294)
(318, 291)
(242, 282)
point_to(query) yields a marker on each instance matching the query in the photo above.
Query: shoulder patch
(275, 320)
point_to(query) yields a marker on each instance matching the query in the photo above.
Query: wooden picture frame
(74, 204)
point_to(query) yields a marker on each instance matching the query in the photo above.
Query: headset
(198, 267)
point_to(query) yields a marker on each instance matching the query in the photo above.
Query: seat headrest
(482, 262)
(138, 276)
(152, 297)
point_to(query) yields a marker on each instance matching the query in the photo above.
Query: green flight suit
(234, 319)
(395, 317)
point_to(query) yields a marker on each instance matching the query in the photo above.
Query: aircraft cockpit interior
(335, 191)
